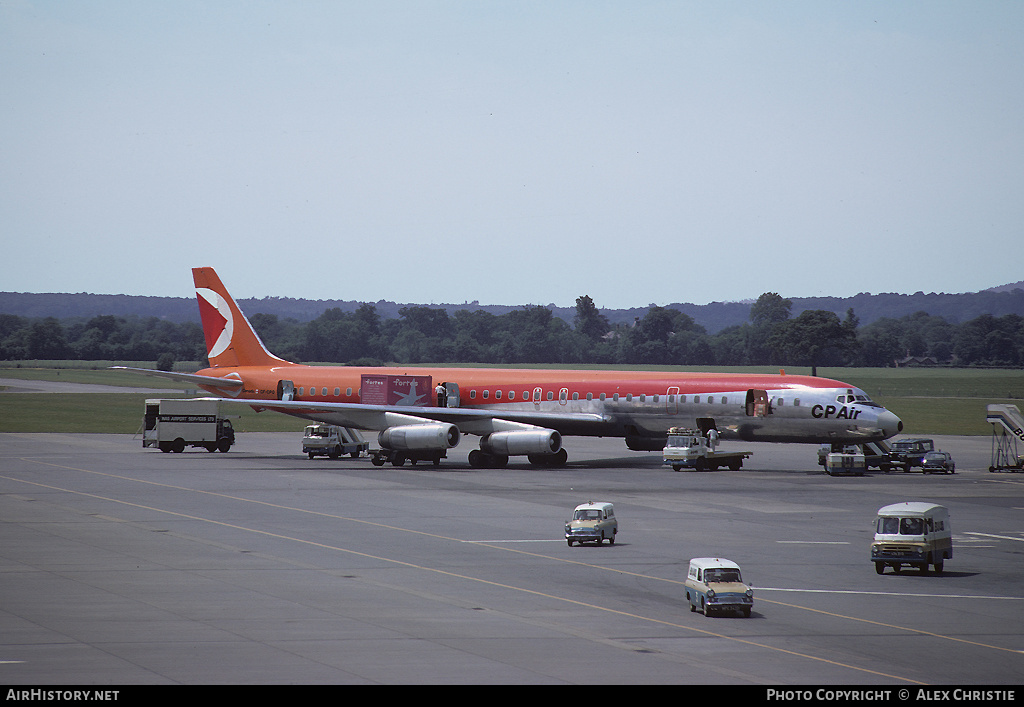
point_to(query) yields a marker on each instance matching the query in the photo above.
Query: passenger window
(472, 395)
(487, 394)
(551, 395)
(337, 392)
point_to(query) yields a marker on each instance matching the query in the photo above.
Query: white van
(912, 533)
(592, 522)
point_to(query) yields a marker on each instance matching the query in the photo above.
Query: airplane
(525, 412)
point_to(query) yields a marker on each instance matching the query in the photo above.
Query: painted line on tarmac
(888, 594)
(990, 535)
(812, 542)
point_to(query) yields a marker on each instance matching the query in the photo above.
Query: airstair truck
(175, 423)
(1007, 432)
(332, 441)
(692, 449)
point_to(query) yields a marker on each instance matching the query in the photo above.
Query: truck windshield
(722, 575)
(900, 526)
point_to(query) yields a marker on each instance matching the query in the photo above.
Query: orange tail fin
(230, 339)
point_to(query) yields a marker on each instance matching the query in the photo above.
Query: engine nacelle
(522, 442)
(431, 435)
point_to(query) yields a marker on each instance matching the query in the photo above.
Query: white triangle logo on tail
(216, 314)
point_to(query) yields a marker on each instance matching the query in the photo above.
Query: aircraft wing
(477, 421)
(229, 383)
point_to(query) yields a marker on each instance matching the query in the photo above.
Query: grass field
(930, 401)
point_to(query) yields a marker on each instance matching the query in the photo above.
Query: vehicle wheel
(701, 464)
(178, 446)
(211, 447)
(735, 464)
(334, 453)
(676, 467)
(570, 542)
(938, 566)
(600, 540)
(311, 455)
(398, 461)
(354, 455)
(746, 612)
(879, 567)
(897, 568)
(611, 540)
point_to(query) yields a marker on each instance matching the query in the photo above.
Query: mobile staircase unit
(1007, 430)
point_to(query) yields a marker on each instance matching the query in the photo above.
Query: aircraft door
(758, 404)
(672, 400)
(452, 390)
(285, 390)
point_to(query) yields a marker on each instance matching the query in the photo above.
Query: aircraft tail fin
(230, 339)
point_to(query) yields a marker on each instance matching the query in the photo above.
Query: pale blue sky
(512, 152)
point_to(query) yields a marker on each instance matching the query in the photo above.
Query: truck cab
(912, 533)
(332, 441)
(592, 522)
(909, 453)
(714, 584)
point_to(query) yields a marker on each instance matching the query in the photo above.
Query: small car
(715, 585)
(592, 522)
(938, 462)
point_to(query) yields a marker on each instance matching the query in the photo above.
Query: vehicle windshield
(938, 456)
(900, 526)
(587, 514)
(722, 575)
(904, 446)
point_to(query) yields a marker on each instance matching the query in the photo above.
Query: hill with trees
(984, 328)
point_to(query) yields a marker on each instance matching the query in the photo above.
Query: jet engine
(429, 435)
(540, 441)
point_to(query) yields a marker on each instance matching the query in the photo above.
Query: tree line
(533, 334)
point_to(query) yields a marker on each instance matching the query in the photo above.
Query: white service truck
(175, 423)
(332, 441)
(692, 449)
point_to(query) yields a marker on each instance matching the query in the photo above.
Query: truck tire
(178, 446)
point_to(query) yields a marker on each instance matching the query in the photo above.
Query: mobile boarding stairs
(1007, 431)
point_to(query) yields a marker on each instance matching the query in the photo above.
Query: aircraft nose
(889, 424)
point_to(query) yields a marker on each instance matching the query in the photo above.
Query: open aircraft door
(451, 394)
(758, 404)
(285, 390)
(672, 400)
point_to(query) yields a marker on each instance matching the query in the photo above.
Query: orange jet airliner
(523, 411)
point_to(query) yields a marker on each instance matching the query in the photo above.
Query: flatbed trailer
(690, 449)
